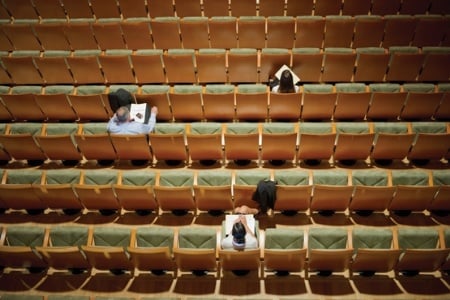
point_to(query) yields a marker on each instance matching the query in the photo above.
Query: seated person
(286, 83)
(264, 197)
(121, 122)
(241, 236)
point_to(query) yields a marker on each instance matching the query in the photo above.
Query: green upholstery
(138, 177)
(317, 88)
(409, 177)
(166, 128)
(447, 237)
(22, 53)
(56, 53)
(283, 238)
(370, 50)
(330, 177)
(119, 52)
(327, 238)
(418, 87)
(112, 298)
(4, 89)
(187, 89)
(67, 297)
(370, 177)
(291, 177)
(417, 238)
(390, 127)
(62, 176)
(306, 50)
(214, 178)
(385, 87)
(243, 51)
(274, 51)
(154, 89)
(63, 236)
(251, 88)
(89, 52)
(59, 89)
(2, 128)
(30, 236)
(338, 50)
(197, 237)
(441, 177)
(350, 87)
(403, 49)
(431, 49)
(62, 128)
(132, 88)
(352, 127)
(429, 127)
(444, 87)
(95, 128)
(219, 88)
(111, 236)
(251, 177)
(309, 127)
(278, 127)
(90, 89)
(26, 128)
(176, 178)
(155, 237)
(206, 128)
(23, 176)
(212, 51)
(100, 177)
(241, 128)
(22, 297)
(372, 238)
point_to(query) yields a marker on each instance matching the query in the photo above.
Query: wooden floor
(227, 286)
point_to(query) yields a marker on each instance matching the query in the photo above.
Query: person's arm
(249, 231)
(113, 125)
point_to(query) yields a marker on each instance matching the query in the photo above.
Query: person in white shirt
(241, 236)
(121, 123)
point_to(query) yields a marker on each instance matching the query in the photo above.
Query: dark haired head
(286, 82)
(238, 232)
(123, 114)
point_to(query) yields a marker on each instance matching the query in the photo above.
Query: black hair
(238, 232)
(286, 82)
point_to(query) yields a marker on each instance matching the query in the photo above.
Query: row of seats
(175, 143)
(43, 9)
(226, 102)
(180, 191)
(236, 66)
(196, 249)
(230, 32)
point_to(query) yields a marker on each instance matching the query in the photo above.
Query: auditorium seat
(371, 64)
(137, 33)
(107, 249)
(440, 205)
(62, 250)
(56, 190)
(133, 9)
(19, 142)
(51, 34)
(429, 23)
(443, 111)
(316, 142)
(374, 251)
(280, 32)
(95, 144)
(95, 190)
(90, 103)
(211, 65)
(338, 31)
(413, 191)
(194, 29)
(18, 248)
(372, 192)
(57, 142)
(338, 64)
(293, 191)
(195, 250)
(369, 30)
(151, 249)
(242, 65)
(85, 67)
(271, 59)
(251, 102)
(54, 68)
(218, 102)
(310, 31)
(431, 142)
(433, 69)
(179, 66)
(331, 191)
(271, 8)
(49, 9)
(168, 143)
(352, 101)
(222, 32)
(279, 142)
(174, 191)
(4, 76)
(80, 34)
(205, 142)
(215, 8)
(186, 102)
(16, 191)
(285, 106)
(399, 30)
(327, 7)
(354, 142)
(299, 8)
(307, 63)
(392, 142)
(251, 32)
(21, 67)
(134, 147)
(328, 250)
(55, 104)
(116, 66)
(245, 185)
(422, 250)
(284, 250)
(21, 97)
(21, 36)
(148, 66)
(165, 32)
(404, 64)
(4, 156)
(318, 102)
(187, 8)
(414, 7)
(421, 102)
(356, 7)
(240, 8)
(160, 8)
(103, 9)
(385, 7)
(77, 9)
(387, 101)
(156, 95)
(241, 142)
(213, 191)
(439, 7)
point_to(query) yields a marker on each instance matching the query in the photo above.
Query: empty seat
(431, 142)
(328, 250)
(369, 30)
(242, 8)
(18, 248)
(187, 8)
(137, 33)
(243, 65)
(105, 9)
(285, 106)
(186, 102)
(327, 7)
(293, 191)
(251, 102)
(4, 156)
(194, 30)
(116, 66)
(63, 250)
(316, 142)
(85, 67)
(387, 101)
(426, 24)
(214, 8)
(95, 191)
(174, 191)
(421, 103)
(278, 142)
(54, 68)
(51, 34)
(22, 69)
(241, 142)
(354, 142)
(271, 59)
(271, 8)
(252, 32)
(280, 32)
(90, 103)
(168, 143)
(107, 249)
(440, 205)
(21, 9)
(133, 9)
(55, 104)
(179, 65)
(151, 249)
(307, 62)
(76, 9)
(338, 31)
(20, 97)
(156, 95)
(94, 143)
(165, 32)
(211, 65)
(148, 66)
(338, 64)
(443, 111)
(356, 7)
(439, 7)
(436, 58)
(310, 32)
(218, 102)
(133, 147)
(160, 8)
(385, 7)
(195, 250)
(22, 36)
(213, 191)
(371, 193)
(399, 30)
(374, 251)
(245, 185)
(331, 191)
(80, 34)
(222, 32)
(422, 250)
(318, 102)
(405, 63)
(299, 8)
(204, 142)
(414, 7)
(352, 101)
(371, 64)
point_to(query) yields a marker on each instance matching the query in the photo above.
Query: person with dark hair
(241, 237)
(265, 197)
(286, 83)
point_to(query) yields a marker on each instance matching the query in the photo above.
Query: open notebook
(229, 221)
(138, 111)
